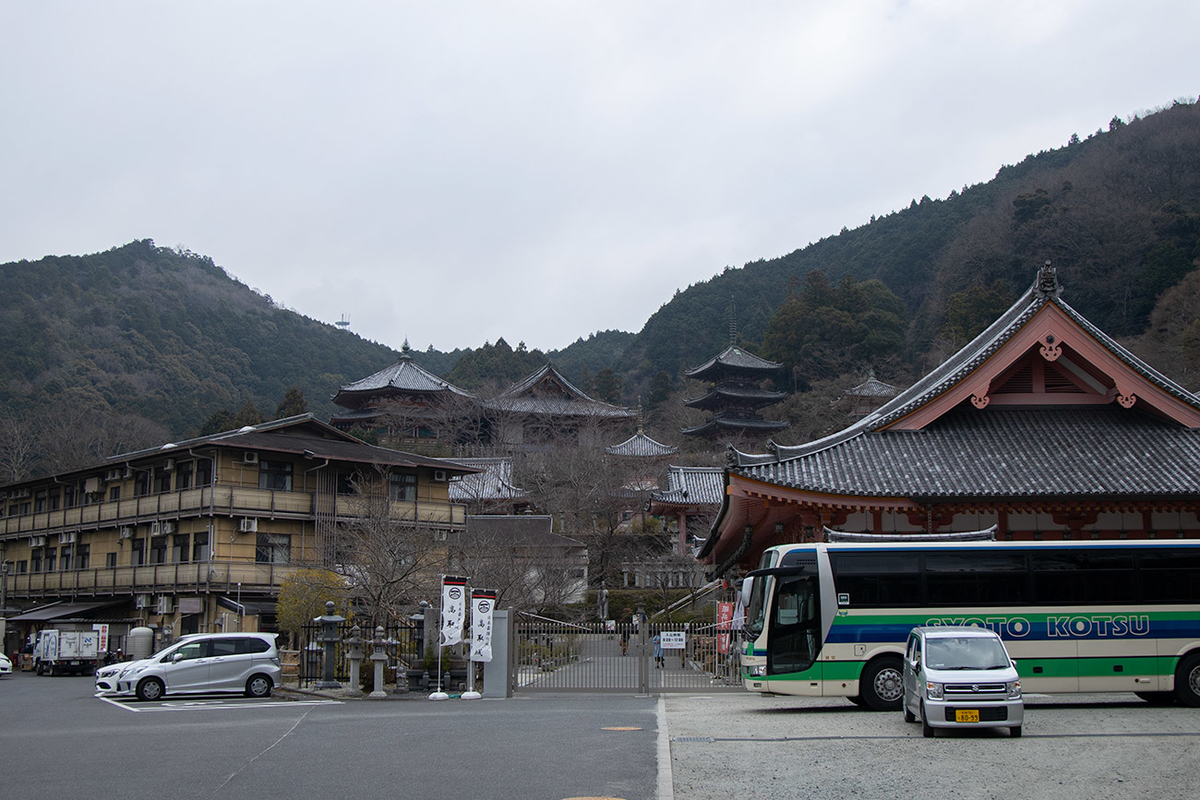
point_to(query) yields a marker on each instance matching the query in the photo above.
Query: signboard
(102, 630)
(673, 640)
(724, 624)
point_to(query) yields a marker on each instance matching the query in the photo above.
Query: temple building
(692, 493)
(544, 408)
(735, 396)
(866, 397)
(1043, 426)
(408, 404)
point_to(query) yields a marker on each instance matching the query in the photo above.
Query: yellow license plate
(966, 715)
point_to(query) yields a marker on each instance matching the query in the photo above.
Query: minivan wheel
(926, 728)
(1187, 681)
(882, 684)
(258, 686)
(150, 689)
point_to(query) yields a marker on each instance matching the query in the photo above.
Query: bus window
(756, 606)
(976, 579)
(877, 579)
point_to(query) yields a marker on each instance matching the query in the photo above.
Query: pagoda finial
(732, 321)
(1047, 281)
(640, 417)
(405, 350)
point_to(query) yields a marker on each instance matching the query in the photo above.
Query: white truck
(66, 652)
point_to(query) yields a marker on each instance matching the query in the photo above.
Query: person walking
(659, 662)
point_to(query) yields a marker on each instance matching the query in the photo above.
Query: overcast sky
(450, 173)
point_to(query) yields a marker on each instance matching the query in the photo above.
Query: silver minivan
(961, 677)
(197, 664)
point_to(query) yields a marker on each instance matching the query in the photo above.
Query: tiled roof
(521, 530)
(641, 446)
(1089, 452)
(690, 486)
(873, 388)
(736, 359)
(958, 367)
(717, 424)
(494, 483)
(527, 397)
(728, 394)
(404, 376)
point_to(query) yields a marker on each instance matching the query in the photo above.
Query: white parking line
(214, 705)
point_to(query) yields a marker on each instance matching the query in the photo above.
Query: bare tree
(389, 563)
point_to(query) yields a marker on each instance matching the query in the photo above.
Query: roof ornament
(732, 321)
(1047, 285)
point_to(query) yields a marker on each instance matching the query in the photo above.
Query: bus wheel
(1187, 681)
(882, 684)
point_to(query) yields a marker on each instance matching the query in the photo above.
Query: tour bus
(830, 619)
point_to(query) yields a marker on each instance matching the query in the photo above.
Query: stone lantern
(329, 639)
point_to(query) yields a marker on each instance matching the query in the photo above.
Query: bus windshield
(756, 607)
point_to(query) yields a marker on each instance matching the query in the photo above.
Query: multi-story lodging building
(198, 535)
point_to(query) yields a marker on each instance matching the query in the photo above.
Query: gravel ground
(1094, 746)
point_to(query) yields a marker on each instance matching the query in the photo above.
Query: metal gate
(553, 656)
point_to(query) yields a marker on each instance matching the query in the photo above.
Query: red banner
(724, 623)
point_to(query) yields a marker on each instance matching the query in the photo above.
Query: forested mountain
(1118, 212)
(152, 343)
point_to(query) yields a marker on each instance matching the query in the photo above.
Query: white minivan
(198, 664)
(961, 677)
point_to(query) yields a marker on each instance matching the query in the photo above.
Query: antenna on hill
(343, 323)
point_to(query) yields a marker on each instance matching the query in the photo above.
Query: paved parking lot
(58, 740)
(1094, 746)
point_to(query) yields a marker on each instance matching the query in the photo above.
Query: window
(204, 472)
(975, 579)
(200, 546)
(141, 483)
(110, 560)
(51, 554)
(403, 487)
(191, 650)
(275, 475)
(162, 480)
(877, 579)
(137, 552)
(1168, 576)
(53, 501)
(181, 547)
(273, 548)
(39, 501)
(345, 482)
(114, 493)
(158, 550)
(183, 476)
(35, 559)
(64, 563)
(1079, 576)
(83, 555)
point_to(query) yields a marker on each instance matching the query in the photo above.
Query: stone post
(379, 656)
(354, 654)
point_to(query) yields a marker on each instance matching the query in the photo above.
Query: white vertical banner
(483, 602)
(454, 609)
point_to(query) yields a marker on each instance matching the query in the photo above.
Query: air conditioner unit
(249, 457)
(125, 532)
(169, 465)
(21, 493)
(439, 475)
(167, 528)
(141, 601)
(112, 475)
(156, 529)
(91, 486)
(165, 605)
(127, 472)
(37, 541)
(67, 537)
(249, 525)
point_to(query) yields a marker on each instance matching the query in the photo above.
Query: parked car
(961, 677)
(198, 664)
(5, 665)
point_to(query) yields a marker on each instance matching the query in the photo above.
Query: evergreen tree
(293, 404)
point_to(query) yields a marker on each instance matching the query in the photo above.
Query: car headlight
(933, 690)
(757, 671)
(1014, 690)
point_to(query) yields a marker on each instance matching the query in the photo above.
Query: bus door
(794, 627)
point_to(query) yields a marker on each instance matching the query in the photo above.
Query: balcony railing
(182, 578)
(218, 501)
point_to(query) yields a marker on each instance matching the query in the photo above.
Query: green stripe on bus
(1067, 667)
